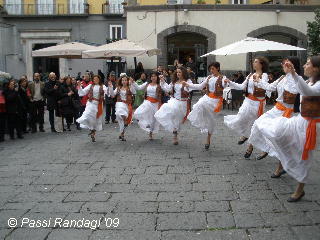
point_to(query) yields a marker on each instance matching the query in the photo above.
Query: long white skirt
(203, 116)
(171, 114)
(287, 141)
(145, 114)
(263, 122)
(89, 118)
(243, 121)
(121, 110)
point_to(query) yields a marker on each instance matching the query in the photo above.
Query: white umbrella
(252, 45)
(121, 48)
(65, 50)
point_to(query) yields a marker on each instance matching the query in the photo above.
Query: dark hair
(315, 61)
(157, 74)
(21, 81)
(215, 65)
(100, 81)
(185, 74)
(265, 64)
(119, 83)
(296, 63)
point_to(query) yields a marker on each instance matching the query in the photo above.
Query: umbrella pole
(250, 62)
(135, 63)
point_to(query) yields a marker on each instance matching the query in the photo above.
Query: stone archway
(163, 45)
(282, 30)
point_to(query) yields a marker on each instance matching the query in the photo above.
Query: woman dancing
(253, 104)
(204, 112)
(92, 115)
(294, 139)
(146, 111)
(287, 93)
(175, 112)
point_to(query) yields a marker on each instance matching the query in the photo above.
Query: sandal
(248, 153)
(206, 146)
(242, 141)
(292, 199)
(262, 156)
(278, 175)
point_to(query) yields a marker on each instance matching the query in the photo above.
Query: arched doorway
(280, 34)
(182, 41)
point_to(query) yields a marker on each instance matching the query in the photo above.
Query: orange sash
(311, 137)
(220, 103)
(287, 111)
(253, 98)
(154, 100)
(100, 107)
(129, 118)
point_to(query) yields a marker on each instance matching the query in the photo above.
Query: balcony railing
(112, 8)
(46, 9)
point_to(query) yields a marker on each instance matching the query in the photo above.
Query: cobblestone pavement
(155, 189)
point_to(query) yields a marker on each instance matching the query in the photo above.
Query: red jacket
(84, 99)
(2, 103)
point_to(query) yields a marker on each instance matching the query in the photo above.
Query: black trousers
(14, 123)
(3, 118)
(110, 112)
(24, 121)
(37, 114)
(51, 118)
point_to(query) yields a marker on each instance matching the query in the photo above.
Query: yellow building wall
(151, 2)
(95, 6)
(1, 2)
(29, 7)
(61, 6)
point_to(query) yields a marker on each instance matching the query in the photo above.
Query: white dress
(248, 112)
(89, 118)
(146, 111)
(171, 114)
(122, 109)
(202, 115)
(288, 137)
(263, 122)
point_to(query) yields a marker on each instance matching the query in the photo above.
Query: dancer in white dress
(294, 139)
(146, 111)
(253, 104)
(287, 94)
(204, 112)
(92, 115)
(175, 112)
(124, 97)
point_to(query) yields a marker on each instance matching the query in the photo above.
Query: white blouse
(177, 88)
(151, 90)
(84, 91)
(307, 89)
(212, 84)
(251, 84)
(123, 93)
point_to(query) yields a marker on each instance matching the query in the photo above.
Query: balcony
(112, 8)
(44, 9)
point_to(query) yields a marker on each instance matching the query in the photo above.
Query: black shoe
(240, 142)
(33, 130)
(20, 137)
(291, 199)
(12, 137)
(53, 130)
(41, 130)
(262, 156)
(64, 129)
(279, 175)
(78, 127)
(248, 154)
(206, 146)
(25, 131)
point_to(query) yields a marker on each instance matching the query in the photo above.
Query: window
(45, 7)
(13, 6)
(76, 6)
(115, 6)
(115, 32)
(239, 1)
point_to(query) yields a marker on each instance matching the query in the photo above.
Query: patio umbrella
(250, 45)
(71, 50)
(121, 48)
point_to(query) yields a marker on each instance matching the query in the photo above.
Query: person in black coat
(3, 115)
(69, 101)
(25, 98)
(51, 92)
(110, 101)
(14, 109)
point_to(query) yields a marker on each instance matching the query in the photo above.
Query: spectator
(14, 109)
(86, 81)
(25, 97)
(139, 98)
(139, 68)
(191, 64)
(78, 78)
(192, 75)
(51, 91)
(37, 103)
(2, 113)
(100, 74)
(240, 78)
(110, 101)
(176, 64)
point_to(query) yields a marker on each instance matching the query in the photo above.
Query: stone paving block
(18, 206)
(221, 195)
(30, 217)
(176, 207)
(36, 188)
(212, 206)
(180, 170)
(29, 234)
(147, 196)
(134, 170)
(89, 179)
(127, 235)
(220, 220)
(257, 195)
(157, 170)
(186, 178)
(53, 180)
(111, 170)
(286, 219)
(257, 206)
(39, 197)
(205, 235)
(153, 179)
(5, 215)
(58, 207)
(218, 186)
(301, 206)
(98, 207)
(136, 207)
(86, 197)
(314, 216)
(180, 196)
(4, 233)
(83, 187)
(79, 234)
(307, 232)
(248, 220)
(163, 187)
(113, 188)
(117, 179)
(181, 221)
(283, 233)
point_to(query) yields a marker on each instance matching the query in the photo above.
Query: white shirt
(177, 88)
(95, 90)
(212, 83)
(151, 90)
(123, 93)
(37, 92)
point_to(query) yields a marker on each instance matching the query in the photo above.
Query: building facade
(183, 31)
